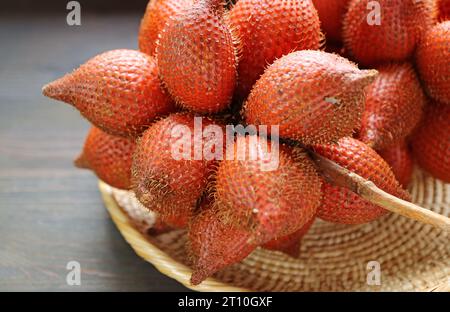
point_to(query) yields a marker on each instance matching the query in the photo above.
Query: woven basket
(412, 256)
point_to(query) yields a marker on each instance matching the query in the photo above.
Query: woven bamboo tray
(412, 256)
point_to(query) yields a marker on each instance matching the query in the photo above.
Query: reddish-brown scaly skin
(118, 91)
(340, 205)
(402, 23)
(431, 142)
(399, 157)
(268, 203)
(109, 157)
(394, 106)
(155, 18)
(164, 182)
(269, 29)
(432, 58)
(289, 244)
(215, 245)
(197, 58)
(331, 13)
(444, 9)
(314, 96)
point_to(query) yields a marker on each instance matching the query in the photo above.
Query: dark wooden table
(50, 212)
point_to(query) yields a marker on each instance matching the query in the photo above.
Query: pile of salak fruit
(288, 70)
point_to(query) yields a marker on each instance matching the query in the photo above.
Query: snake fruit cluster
(213, 121)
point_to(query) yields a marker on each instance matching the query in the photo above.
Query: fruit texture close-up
(266, 30)
(341, 205)
(109, 157)
(394, 106)
(197, 57)
(432, 62)
(118, 91)
(314, 97)
(431, 142)
(380, 31)
(167, 178)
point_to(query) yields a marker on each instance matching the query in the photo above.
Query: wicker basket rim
(164, 263)
(154, 255)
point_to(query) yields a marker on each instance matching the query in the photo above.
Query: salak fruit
(331, 13)
(432, 58)
(197, 58)
(340, 205)
(289, 244)
(214, 245)
(268, 190)
(444, 9)
(168, 177)
(155, 18)
(431, 142)
(118, 91)
(269, 29)
(385, 30)
(314, 97)
(394, 106)
(109, 157)
(400, 159)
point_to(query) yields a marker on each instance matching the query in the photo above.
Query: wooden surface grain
(50, 212)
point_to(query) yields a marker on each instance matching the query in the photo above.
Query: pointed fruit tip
(198, 276)
(363, 77)
(81, 162)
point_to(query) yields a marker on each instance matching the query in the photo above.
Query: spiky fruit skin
(314, 96)
(268, 203)
(444, 9)
(215, 245)
(394, 106)
(164, 182)
(289, 244)
(118, 91)
(109, 157)
(432, 58)
(340, 205)
(402, 23)
(269, 29)
(331, 13)
(431, 142)
(197, 59)
(155, 18)
(399, 157)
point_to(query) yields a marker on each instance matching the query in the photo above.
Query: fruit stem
(343, 177)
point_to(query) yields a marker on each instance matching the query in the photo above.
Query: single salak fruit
(431, 142)
(214, 245)
(156, 16)
(314, 96)
(118, 91)
(109, 157)
(268, 190)
(170, 170)
(197, 58)
(399, 158)
(444, 9)
(385, 30)
(394, 106)
(289, 244)
(432, 58)
(331, 13)
(340, 205)
(269, 29)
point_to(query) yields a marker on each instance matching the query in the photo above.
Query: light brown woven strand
(413, 256)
